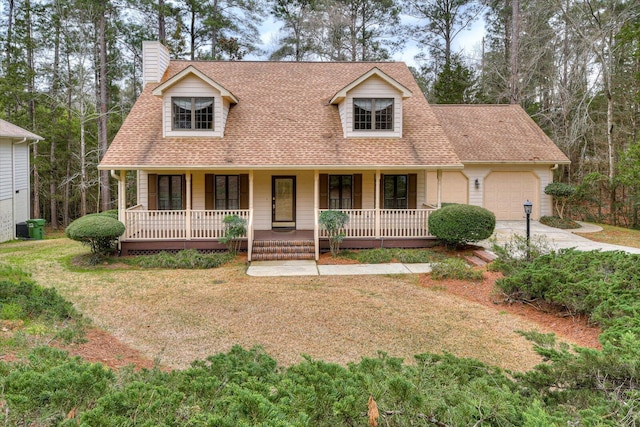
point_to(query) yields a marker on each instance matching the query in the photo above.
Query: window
(192, 113)
(395, 191)
(170, 191)
(227, 192)
(373, 114)
(340, 191)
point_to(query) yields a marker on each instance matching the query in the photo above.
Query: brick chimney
(155, 60)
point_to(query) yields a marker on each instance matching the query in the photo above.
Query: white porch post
(188, 212)
(316, 205)
(250, 225)
(122, 202)
(122, 195)
(377, 222)
(439, 174)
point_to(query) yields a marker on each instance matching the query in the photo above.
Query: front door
(283, 197)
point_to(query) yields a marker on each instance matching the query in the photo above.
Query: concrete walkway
(310, 268)
(554, 237)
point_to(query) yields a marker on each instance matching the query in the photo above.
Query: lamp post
(527, 210)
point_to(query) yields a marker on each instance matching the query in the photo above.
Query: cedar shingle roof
(496, 134)
(8, 130)
(282, 118)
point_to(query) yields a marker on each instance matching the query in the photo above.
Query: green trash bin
(36, 228)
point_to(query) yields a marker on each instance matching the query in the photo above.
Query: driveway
(555, 237)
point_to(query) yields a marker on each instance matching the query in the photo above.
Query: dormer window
(195, 113)
(373, 114)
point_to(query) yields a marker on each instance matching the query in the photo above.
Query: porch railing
(169, 225)
(363, 223)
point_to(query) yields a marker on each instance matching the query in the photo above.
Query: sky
(469, 40)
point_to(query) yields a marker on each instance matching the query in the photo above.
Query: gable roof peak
(193, 71)
(373, 72)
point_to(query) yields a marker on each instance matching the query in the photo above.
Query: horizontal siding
(6, 170)
(155, 60)
(374, 87)
(21, 174)
(452, 187)
(193, 86)
(7, 225)
(143, 189)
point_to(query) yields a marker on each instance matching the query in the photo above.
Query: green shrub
(333, 222)
(235, 228)
(98, 231)
(417, 255)
(454, 268)
(375, 256)
(518, 252)
(561, 193)
(457, 225)
(557, 222)
(111, 213)
(186, 259)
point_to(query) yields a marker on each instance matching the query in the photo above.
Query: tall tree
(300, 23)
(439, 23)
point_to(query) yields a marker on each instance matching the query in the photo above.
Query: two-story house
(278, 142)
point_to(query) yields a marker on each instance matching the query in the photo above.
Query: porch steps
(272, 250)
(481, 257)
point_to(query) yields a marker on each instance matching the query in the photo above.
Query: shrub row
(247, 388)
(605, 286)
(188, 258)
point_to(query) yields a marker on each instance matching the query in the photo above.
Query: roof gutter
(281, 167)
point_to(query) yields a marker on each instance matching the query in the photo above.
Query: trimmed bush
(235, 228)
(561, 194)
(98, 231)
(334, 222)
(113, 213)
(457, 225)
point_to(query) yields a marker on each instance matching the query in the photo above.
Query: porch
(148, 231)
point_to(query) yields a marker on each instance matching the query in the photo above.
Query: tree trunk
(105, 191)
(515, 34)
(83, 168)
(162, 36)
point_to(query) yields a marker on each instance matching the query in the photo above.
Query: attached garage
(505, 192)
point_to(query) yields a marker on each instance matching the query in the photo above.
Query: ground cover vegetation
(70, 71)
(574, 386)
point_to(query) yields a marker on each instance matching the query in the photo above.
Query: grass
(178, 316)
(615, 236)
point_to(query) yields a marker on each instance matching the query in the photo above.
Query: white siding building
(14, 177)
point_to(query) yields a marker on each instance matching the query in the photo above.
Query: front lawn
(177, 316)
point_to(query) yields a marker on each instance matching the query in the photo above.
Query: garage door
(505, 192)
(455, 187)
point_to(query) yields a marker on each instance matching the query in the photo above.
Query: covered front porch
(152, 230)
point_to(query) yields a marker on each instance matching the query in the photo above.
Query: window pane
(346, 192)
(170, 192)
(221, 192)
(176, 192)
(163, 193)
(395, 191)
(362, 113)
(227, 192)
(334, 192)
(233, 192)
(181, 113)
(203, 113)
(384, 113)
